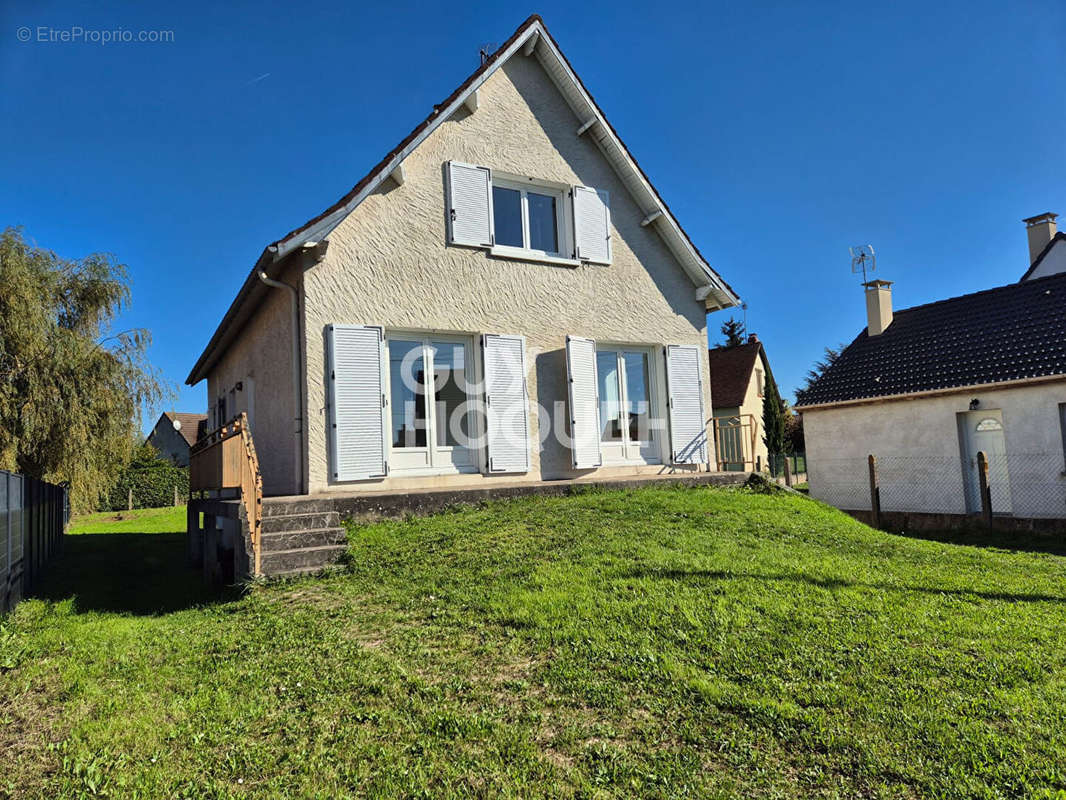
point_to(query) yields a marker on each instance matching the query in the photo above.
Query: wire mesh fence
(1029, 485)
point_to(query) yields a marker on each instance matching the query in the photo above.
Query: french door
(430, 406)
(626, 406)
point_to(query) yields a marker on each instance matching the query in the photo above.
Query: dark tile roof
(191, 424)
(731, 373)
(1005, 334)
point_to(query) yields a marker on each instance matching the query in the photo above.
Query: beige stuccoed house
(505, 297)
(927, 390)
(739, 374)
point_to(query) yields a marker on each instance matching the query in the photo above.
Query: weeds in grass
(664, 642)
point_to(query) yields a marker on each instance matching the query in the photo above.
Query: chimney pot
(878, 306)
(752, 338)
(1041, 230)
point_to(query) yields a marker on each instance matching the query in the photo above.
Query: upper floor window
(528, 217)
(525, 218)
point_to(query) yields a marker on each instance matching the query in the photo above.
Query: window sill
(518, 254)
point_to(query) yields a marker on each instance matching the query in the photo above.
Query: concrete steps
(300, 536)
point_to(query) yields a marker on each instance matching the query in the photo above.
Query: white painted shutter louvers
(357, 415)
(506, 403)
(592, 225)
(469, 205)
(688, 433)
(584, 402)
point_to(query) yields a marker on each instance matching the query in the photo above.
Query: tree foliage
(829, 357)
(733, 330)
(773, 417)
(794, 441)
(152, 480)
(71, 391)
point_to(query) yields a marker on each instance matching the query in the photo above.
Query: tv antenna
(863, 258)
(486, 50)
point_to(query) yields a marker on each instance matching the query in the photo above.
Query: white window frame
(560, 192)
(656, 402)
(438, 458)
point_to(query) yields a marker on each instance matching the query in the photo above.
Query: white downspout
(297, 393)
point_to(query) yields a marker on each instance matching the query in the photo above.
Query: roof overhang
(973, 387)
(531, 39)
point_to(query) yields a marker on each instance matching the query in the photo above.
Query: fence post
(875, 493)
(175, 495)
(788, 473)
(986, 491)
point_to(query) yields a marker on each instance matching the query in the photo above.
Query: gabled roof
(531, 39)
(1012, 333)
(731, 369)
(1058, 237)
(190, 424)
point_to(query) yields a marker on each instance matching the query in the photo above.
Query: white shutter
(469, 205)
(506, 403)
(684, 383)
(592, 224)
(584, 402)
(357, 416)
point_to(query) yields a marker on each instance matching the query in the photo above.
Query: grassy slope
(663, 642)
(140, 520)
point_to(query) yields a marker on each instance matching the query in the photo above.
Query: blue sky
(779, 134)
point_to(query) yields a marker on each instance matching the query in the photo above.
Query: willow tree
(71, 390)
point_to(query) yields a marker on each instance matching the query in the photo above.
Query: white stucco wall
(388, 264)
(1054, 262)
(263, 353)
(920, 460)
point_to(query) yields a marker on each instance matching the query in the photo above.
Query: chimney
(1041, 230)
(878, 307)
(752, 338)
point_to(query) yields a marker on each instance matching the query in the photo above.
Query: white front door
(982, 431)
(627, 404)
(430, 418)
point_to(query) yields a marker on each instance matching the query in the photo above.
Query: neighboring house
(927, 388)
(738, 375)
(1047, 247)
(174, 433)
(505, 297)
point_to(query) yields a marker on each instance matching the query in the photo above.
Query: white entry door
(626, 406)
(982, 431)
(430, 404)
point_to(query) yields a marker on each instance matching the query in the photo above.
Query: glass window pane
(507, 216)
(610, 396)
(449, 381)
(407, 387)
(638, 396)
(543, 230)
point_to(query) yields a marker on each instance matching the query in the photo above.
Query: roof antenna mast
(486, 50)
(863, 258)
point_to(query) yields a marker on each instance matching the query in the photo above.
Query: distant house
(174, 433)
(928, 388)
(738, 375)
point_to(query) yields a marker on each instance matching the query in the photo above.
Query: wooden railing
(225, 459)
(735, 439)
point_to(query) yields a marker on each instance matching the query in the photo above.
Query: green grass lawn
(139, 520)
(661, 643)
